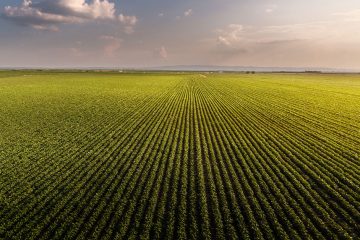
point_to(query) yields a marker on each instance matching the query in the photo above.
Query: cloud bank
(49, 14)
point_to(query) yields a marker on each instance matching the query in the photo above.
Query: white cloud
(48, 14)
(161, 53)
(349, 16)
(230, 35)
(112, 45)
(326, 31)
(271, 8)
(188, 12)
(223, 41)
(161, 14)
(317, 42)
(129, 22)
(50, 28)
(94, 10)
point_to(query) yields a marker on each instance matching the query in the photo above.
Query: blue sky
(139, 33)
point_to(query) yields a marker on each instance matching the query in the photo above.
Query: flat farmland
(179, 155)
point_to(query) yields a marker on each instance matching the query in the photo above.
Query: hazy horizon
(141, 34)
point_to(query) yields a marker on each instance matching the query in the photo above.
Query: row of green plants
(192, 157)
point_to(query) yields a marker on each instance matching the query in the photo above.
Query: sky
(143, 33)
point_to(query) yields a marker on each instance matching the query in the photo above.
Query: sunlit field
(179, 155)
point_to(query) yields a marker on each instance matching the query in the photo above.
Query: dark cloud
(47, 14)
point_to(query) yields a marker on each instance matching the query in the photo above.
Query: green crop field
(179, 155)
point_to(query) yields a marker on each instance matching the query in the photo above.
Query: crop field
(101, 155)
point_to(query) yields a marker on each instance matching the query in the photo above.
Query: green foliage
(179, 156)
